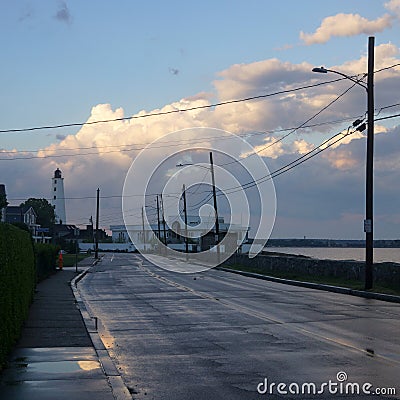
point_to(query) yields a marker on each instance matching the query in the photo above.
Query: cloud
(285, 47)
(60, 137)
(63, 13)
(345, 25)
(334, 178)
(394, 7)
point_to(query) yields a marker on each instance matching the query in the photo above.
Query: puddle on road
(59, 367)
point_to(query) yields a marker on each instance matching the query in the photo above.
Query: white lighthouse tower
(57, 197)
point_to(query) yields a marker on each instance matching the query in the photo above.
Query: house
(27, 216)
(24, 215)
(67, 232)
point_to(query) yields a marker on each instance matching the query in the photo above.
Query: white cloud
(346, 25)
(394, 7)
(106, 168)
(302, 147)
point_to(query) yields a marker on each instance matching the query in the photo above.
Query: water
(339, 253)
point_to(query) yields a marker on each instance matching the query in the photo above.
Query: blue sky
(55, 70)
(73, 60)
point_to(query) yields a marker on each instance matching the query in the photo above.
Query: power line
(172, 195)
(388, 117)
(262, 96)
(45, 127)
(285, 168)
(294, 130)
(167, 144)
(300, 160)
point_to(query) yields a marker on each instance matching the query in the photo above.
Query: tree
(44, 211)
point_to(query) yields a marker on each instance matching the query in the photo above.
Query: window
(54, 197)
(55, 189)
(55, 180)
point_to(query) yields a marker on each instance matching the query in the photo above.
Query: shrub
(17, 284)
(46, 259)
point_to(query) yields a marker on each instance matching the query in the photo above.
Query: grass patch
(325, 280)
(69, 259)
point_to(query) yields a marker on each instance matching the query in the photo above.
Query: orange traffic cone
(60, 261)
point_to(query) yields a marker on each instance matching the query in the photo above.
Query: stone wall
(387, 274)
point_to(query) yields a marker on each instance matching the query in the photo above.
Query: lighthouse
(57, 197)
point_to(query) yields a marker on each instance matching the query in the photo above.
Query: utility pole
(143, 231)
(369, 172)
(369, 190)
(96, 251)
(215, 208)
(158, 222)
(91, 223)
(186, 222)
(76, 255)
(163, 221)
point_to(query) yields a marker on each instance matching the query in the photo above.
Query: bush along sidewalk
(46, 260)
(17, 284)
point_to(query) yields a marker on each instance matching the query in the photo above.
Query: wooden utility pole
(143, 231)
(369, 189)
(158, 222)
(96, 251)
(186, 222)
(163, 221)
(215, 208)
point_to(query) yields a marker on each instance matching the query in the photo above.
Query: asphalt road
(216, 335)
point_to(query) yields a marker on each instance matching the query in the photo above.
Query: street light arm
(323, 70)
(192, 165)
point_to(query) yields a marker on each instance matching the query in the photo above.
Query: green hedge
(46, 259)
(17, 284)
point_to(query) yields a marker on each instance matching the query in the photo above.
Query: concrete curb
(118, 387)
(318, 286)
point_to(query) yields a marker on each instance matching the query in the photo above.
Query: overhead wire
(140, 116)
(300, 126)
(213, 105)
(154, 194)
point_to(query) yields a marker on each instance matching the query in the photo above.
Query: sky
(66, 62)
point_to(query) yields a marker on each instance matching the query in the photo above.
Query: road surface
(217, 335)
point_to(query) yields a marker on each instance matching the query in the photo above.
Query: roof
(13, 209)
(18, 209)
(25, 209)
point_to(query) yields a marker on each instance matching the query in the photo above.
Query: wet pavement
(54, 373)
(216, 335)
(55, 357)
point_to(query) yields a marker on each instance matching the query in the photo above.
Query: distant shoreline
(341, 243)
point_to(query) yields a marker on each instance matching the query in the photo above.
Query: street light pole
(96, 251)
(215, 208)
(369, 173)
(186, 222)
(158, 222)
(163, 222)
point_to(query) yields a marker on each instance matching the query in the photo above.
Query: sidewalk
(55, 357)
